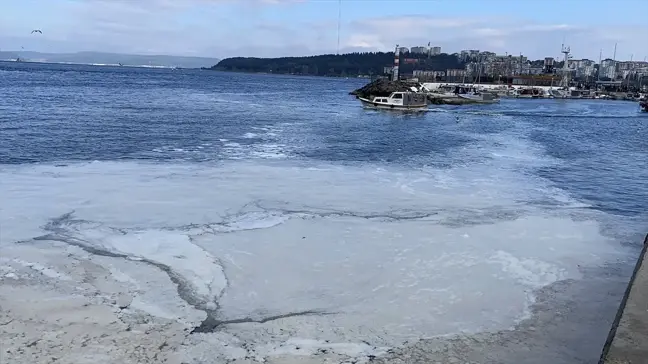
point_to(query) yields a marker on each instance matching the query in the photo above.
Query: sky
(274, 28)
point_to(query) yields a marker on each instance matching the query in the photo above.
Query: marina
(378, 94)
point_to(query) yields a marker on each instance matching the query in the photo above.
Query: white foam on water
(174, 250)
(301, 347)
(45, 271)
(171, 248)
(391, 253)
(269, 151)
(399, 280)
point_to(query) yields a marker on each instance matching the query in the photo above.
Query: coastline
(285, 74)
(627, 341)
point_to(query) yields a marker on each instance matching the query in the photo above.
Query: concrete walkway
(628, 339)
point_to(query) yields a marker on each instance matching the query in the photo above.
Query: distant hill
(351, 64)
(112, 58)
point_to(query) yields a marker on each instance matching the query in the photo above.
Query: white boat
(445, 92)
(531, 93)
(403, 101)
(559, 93)
(475, 96)
(569, 93)
(480, 97)
(500, 91)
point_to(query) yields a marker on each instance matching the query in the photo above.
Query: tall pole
(339, 20)
(614, 62)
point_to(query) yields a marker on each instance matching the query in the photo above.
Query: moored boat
(477, 97)
(402, 101)
(530, 93)
(444, 92)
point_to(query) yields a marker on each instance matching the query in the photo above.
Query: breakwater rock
(382, 87)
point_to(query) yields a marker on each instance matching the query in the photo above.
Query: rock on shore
(381, 87)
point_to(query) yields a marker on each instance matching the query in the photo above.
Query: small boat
(475, 96)
(403, 101)
(480, 97)
(445, 92)
(559, 93)
(531, 93)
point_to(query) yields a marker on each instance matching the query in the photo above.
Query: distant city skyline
(273, 28)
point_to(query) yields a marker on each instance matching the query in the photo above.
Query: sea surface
(393, 227)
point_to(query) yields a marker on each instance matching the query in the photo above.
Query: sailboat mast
(599, 70)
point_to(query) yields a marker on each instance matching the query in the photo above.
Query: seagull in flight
(36, 31)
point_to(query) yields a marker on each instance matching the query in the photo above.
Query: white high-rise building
(607, 69)
(419, 50)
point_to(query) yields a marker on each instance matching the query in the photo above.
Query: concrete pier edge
(608, 357)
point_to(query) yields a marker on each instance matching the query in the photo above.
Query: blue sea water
(538, 188)
(57, 113)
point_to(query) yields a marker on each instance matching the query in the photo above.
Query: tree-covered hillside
(351, 64)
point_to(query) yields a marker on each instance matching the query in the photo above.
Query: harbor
(551, 84)
(451, 93)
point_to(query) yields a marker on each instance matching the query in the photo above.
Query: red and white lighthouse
(396, 62)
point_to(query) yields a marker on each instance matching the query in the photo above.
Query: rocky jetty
(382, 87)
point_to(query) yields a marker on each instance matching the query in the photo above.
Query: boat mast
(598, 78)
(615, 64)
(479, 66)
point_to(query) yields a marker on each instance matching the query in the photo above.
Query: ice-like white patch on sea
(389, 253)
(171, 248)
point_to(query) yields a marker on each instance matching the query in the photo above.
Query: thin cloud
(453, 34)
(225, 28)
